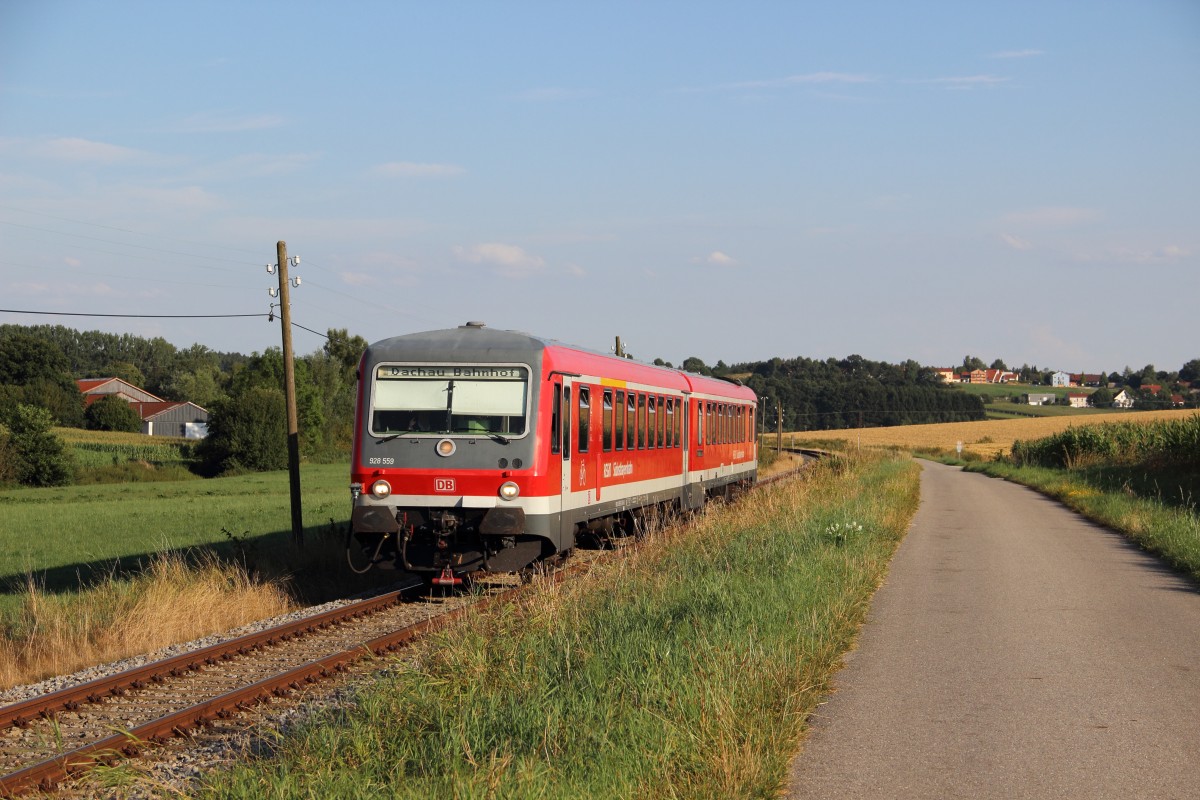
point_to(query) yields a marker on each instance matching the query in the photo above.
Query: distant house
(1177, 400)
(1123, 399)
(1078, 399)
(947, 375)
(1152, 388)
(1060, 379)
(1085, 379)
(992, 376)
(159, 417)
(1043, 399)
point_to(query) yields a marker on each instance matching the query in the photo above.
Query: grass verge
(688, 671)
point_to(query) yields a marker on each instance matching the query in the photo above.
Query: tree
(37, 457)
(972, 363)
(246, 432)
(111, 413)
(693, 364)
(1190, 371)
(1101, 398)
(999, 364)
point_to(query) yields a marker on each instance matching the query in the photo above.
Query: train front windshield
(441, 400)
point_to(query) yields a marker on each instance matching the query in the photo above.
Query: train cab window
(631, 421)
(670, 422)
(606, 424)
(585, 419)
(619, 414)
(566, 423)
(555, 427)
(641, 422)
(651, 419)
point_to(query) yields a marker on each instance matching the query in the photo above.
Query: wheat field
(985, 438)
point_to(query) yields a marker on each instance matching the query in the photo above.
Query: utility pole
(289, 388)
(779, 428)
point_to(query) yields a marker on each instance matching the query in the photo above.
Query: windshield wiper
(391, 436)
(494, 436)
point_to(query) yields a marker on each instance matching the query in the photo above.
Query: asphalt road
(1015, 651)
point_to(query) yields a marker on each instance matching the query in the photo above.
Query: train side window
(726, 428)
(620, 420)
(662, 423)
(555, 428)
(680, 407)
(740, 430)
(651, 419)
(641, 419)
(670, 422)
(709, 422)
(585, 419)
(566, 423)
(631, 421)
(606, 429)
(699, 406)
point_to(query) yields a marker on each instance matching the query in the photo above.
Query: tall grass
(174, 599)
(687, 671)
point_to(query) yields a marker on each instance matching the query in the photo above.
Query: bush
(35, 456)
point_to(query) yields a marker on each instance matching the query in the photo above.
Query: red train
(480, 449)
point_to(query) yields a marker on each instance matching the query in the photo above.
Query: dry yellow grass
(173, 601)
(985, 438)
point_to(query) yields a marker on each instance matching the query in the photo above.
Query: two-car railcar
(480, 449)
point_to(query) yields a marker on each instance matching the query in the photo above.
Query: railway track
(48, 740)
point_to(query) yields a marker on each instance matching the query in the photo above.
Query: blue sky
(731, 181)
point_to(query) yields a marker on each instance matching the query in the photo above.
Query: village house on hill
(159, 417)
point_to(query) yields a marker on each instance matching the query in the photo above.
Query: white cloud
(74, 149)
(576, 270)
(412, 169)
(509, 260)
(1015, 242)
(72, 262)
(720, 259)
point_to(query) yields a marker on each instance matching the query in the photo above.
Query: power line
(134, 316)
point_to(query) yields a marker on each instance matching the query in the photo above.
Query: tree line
(243, 395)
(851, 392)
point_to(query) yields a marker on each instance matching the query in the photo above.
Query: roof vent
(475, 324)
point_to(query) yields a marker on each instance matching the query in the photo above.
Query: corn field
(1163, 443)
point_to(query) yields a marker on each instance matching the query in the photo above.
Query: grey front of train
(446, 439)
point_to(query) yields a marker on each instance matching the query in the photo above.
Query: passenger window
(585, 418)
(619, 412)
(606, 424)
(670, 422)
(680, 406)
(696, 404)
(652, 419)
(662, 424)
(631, 421)
(641, 417)
(712, 435)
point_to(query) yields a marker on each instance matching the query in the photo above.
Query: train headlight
(509, 490)
(446, 447)
(380, 489)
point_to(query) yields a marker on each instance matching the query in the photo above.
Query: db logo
(443, 484)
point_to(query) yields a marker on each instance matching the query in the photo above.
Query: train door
(693, 445)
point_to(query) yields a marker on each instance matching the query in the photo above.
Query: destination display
(458, 372)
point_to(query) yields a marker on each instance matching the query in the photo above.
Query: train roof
(476, 342)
